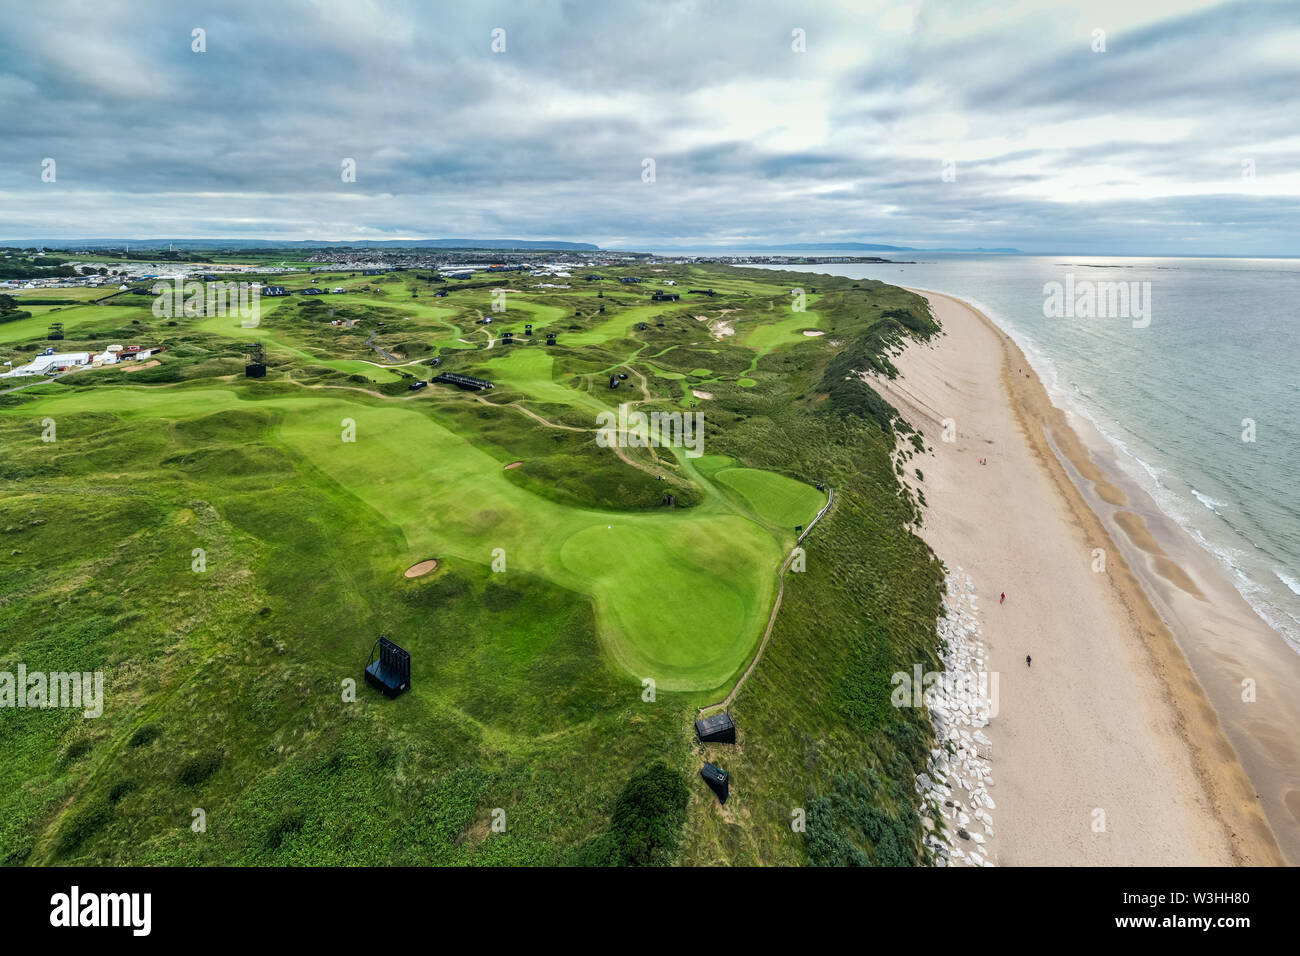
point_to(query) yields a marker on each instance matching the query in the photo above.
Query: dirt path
(388, 355)
(776, 608)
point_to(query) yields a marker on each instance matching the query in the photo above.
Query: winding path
(388, 355)
(771, 621)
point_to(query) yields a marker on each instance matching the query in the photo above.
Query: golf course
(226, 549)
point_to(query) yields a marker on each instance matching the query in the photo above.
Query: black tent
(718, 780)
(391, 673)
(718, 729)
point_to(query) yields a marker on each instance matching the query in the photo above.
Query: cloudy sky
(917, 123)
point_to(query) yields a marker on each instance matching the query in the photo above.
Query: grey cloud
(547, 139)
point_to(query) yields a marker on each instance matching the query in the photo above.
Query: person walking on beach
(1003, 599)
(1029, 661)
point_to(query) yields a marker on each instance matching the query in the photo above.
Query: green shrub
(76, 750)
(195, 770)
(145, 734)
(121, 789)
(80, 825)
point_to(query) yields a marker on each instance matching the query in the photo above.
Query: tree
(648, 817)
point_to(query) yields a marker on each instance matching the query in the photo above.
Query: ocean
(1195, 381)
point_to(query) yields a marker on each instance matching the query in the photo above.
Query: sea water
(1200, 398)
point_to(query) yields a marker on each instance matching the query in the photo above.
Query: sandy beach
(1108, 750)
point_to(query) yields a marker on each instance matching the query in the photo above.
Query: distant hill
(828, 246)
(818, 247)
(503, 245)
(495, 244)
(1007, 249)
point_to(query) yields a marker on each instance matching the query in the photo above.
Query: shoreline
(1110, 749)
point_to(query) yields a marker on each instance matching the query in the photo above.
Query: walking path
(771, 621)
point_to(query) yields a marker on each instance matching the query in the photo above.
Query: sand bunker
(698, 394)
(812, 332)
(513, 464)
(423, 568)
(136, 367)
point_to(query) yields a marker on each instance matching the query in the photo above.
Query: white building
(44, 364)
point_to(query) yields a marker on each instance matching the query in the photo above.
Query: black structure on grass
(255, 367)
(719, 780)
(391, 672)
(467, 382)
(718, 729)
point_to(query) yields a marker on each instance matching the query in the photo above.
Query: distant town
(50, 268)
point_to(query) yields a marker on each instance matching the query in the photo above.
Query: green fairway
(76, 293)
(533, 371)
(367, 369)
(75, 318)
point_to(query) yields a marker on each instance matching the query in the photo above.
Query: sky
(1140, 127)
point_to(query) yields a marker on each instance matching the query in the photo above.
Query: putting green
(672, 376)
(777, 499)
